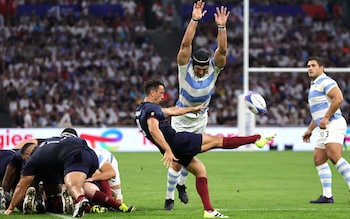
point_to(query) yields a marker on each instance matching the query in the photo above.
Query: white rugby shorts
(334, 133)
(190, 124)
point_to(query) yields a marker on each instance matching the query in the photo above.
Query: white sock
(183, 176)
(117, 194)
(325, 174)
(171, 183)
(343, 168)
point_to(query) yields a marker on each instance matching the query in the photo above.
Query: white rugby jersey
(319, 102)
(104, 156)
(193, 90)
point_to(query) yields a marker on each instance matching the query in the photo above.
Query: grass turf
(244, 185)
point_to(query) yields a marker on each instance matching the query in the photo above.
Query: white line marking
(61, 216)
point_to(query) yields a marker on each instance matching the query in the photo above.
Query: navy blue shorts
(185, 146)
(82, 161)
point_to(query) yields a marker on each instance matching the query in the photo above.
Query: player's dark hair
(69, 132)
(201, 57)
(26, 146)
(152, 85)
(319, 60)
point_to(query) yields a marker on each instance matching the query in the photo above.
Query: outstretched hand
(221, 16)
(197, 11)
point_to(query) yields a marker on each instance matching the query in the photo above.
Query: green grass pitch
(244, 185)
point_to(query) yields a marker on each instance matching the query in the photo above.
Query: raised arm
(184, 54)
(221, 16)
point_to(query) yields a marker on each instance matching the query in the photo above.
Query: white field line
(61, 216)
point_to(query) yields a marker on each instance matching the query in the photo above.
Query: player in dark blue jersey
(5, 158)
(68, 156)
(14, 165)
(11, 163)
(182, 147)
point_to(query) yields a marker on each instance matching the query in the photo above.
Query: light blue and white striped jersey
(104, 156)
(193, 90)
(319, 102)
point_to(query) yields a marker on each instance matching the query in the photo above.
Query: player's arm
(19, 193)
(157, 135)
(221, 16)
(105, 172)
(176, 111)
(336, 98)
(9, 178)
(307, 134)
(184, 54)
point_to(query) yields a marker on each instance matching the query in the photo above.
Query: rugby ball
(255, 103)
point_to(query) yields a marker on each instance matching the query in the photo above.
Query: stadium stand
(75, 66)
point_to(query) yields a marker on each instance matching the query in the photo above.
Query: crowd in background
(85, 70)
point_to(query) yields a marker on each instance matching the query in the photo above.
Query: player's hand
(323, 123)
(306, 136)
(197, 11)
(198, 109)
(221, 16)
(168, 158)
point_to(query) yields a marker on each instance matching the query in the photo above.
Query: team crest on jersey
(152, 113)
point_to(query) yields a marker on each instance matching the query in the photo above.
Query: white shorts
(334, 133)
(184, 123)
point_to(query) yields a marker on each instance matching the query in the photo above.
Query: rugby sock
(171, 183)
(343, 168)
(80, 197)
(183, 176)
(105, 201)
(236, 141)
(325, 175)
(105, 187)
(202, 189)
(117, 194)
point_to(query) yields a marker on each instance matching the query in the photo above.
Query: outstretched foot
(264, 138)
